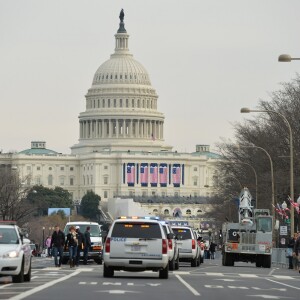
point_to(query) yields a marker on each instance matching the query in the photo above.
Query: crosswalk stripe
(214, 274)
(282, 277)
(248, 275)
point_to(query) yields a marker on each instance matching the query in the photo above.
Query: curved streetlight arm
(272, 172)
(248, 110)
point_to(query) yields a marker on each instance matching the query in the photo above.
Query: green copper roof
(38, 151)
(208, 154)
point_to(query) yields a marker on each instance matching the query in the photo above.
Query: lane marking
(6, 285)
(293, 287)
(44, 286)
(272, 271)
(189, 287)
(282, 277)
(214, 274)
(248, 275)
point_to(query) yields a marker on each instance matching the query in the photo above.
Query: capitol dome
(121, 106)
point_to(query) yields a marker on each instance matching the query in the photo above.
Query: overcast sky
(206, 60)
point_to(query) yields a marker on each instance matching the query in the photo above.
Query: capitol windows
(188, 212)
(125, 76)
(108, 103)
(166, 212)
(121, 102)
(115, 102)
(50, 168)
(83, 177)
(62, 180)
(71, 181)
(105, 194)
(103, 103)
(144, 193)
(110, 76)
(132, 102)
(106, 76)
(155, 211)
(91, 179)
(105, 180)
(120, 76)
(38, 168)
(28, 168)
(50, 180)
(71, 168)
(127, 103)
(94, 103)
(98, 103)
(195, 181)
(199, 211)
(105, 167)
(116, 76)
(195, 169)
(38, 180)
(62, 168)
(138, 103)
(143, 103)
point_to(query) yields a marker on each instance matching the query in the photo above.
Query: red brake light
(107, 245)
(170, 244)
(164, 247)
(193, 244)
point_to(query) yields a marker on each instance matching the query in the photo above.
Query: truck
(249, 240)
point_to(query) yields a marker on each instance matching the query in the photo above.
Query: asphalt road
(209, 281)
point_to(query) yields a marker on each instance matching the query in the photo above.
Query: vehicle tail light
(107, 245)
(164, 246)
(170, 244)
(193, 244)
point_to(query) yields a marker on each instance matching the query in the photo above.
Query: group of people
(75, 242)
(294, 255)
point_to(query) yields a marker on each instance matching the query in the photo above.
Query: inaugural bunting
(144, 174)
(163, 175)
(130, 174)
(176, 175)
(153, 174)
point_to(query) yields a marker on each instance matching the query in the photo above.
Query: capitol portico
(121, 149)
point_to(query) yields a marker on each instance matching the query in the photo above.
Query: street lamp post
(43, 243)
(286, 58)
(248, 110)
(272, 172)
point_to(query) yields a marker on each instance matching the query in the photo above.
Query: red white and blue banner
(163, 175)
(176, 175)
(144, 174)
(153, 174)
(130, 174)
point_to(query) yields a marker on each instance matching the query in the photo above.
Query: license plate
(135, 248)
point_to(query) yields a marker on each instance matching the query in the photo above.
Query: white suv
(187, 243)
(15, 254)
(173, 250)
(136, 244)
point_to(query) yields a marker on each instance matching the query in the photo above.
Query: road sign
(283, 230)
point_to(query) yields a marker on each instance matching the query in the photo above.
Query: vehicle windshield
(8, 236)
(137, 230)
(94, 231)
(264, 224)
(182, 234)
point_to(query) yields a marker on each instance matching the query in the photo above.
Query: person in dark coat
(291, 246)
(87, 244)
(72, 243)
(212, 250)
(80, 245)
(297, 251)
(57, 245)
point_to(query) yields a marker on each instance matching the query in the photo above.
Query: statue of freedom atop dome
(121, 16)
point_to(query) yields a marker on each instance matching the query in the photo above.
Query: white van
(96, 250)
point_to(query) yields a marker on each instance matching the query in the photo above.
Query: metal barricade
(279, 257)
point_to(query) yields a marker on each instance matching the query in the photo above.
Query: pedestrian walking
(48, 246)
(80, 245)
(290, 251)
(87, 244)
(297, 251)
(57, 245)
(212, 250)
(71, 243)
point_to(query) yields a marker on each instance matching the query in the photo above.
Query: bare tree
(13, 201)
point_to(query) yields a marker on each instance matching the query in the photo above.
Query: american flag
(163, 174)
(130, 173)
(153, 173)
(144, 174)
(176, 174)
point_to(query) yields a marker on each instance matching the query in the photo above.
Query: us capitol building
(121, 150)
